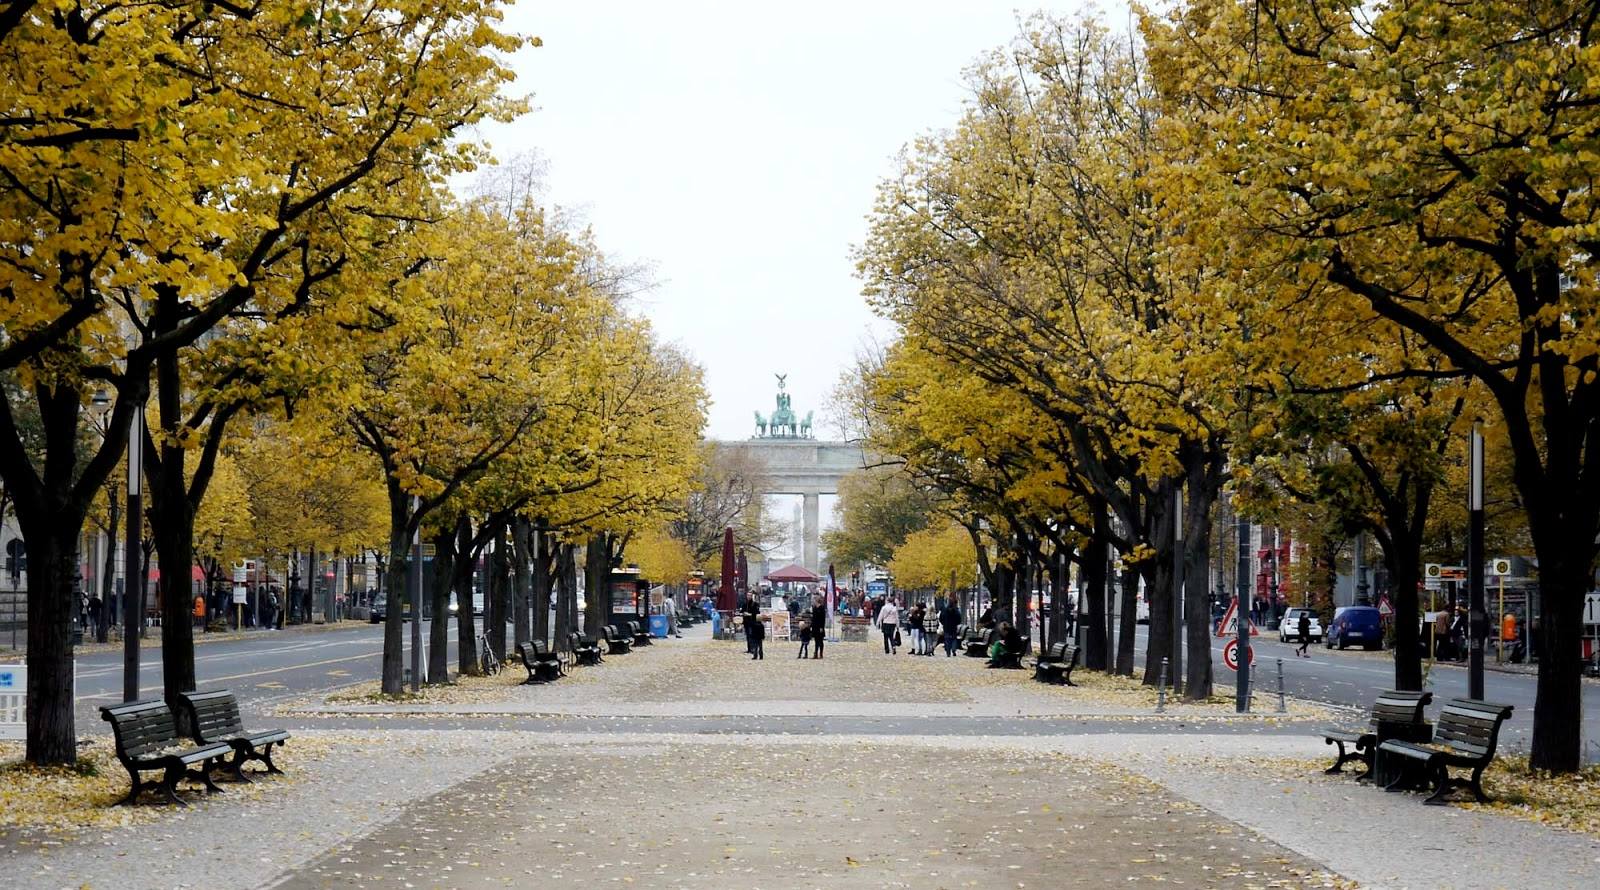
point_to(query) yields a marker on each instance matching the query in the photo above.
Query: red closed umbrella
(725, 600)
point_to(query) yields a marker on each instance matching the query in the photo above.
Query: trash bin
(658, 625)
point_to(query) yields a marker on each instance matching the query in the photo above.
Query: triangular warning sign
(1229, 625)
(1384, 608)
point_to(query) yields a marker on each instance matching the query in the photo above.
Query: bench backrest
(215, 714)
(1400, 706)
(526, 651)
(1070, 654)
(541, 648)
(1058, 652)
(1471, 726)
(141, 727)
(577, 640)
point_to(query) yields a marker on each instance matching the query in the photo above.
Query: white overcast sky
(735, 147)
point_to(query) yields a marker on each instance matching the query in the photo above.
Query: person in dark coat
(1303, 628)
(949, 623)
(758, 634)
(751, 610)
(819, 624)
(986, 620)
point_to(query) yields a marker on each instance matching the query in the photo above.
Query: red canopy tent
(795, 573)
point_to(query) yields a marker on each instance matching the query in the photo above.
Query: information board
(13, 701)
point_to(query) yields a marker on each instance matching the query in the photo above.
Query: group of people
(811, 628)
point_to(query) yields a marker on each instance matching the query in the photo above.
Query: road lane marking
(276, 670)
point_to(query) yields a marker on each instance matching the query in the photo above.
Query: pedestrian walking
(819, 623)
(889, 624)
(950, 624)
(97, 617)
(1303, 628)
(914, 621)
(758, 634)
(751, 610)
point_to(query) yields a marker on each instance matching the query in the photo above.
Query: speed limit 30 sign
(1230, 655)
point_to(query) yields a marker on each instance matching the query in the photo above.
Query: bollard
(1282, 707)
(1161, 689)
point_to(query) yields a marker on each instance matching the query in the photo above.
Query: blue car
(1355, 626)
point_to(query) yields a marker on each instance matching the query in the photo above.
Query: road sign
(240, 596)
(1229, 627)
(1591, 609)
(1384, 608)
(1230, 655)
(1500, 567)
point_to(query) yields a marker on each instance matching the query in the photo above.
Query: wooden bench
(1055, 666)
(147, 740)
(1468, 731)
(214, 717)
(616, 643)
(1396, 714)
(640, 633)
(543, 666)
(584, 649)
(976, 644)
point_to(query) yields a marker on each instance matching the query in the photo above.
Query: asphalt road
(1355, 678)
(265, 666)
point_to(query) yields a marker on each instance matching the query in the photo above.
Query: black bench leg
(169, 785)
(202, 774)
(1402, 775)
(266, 757)
(1066, 678)
(1338, 764)
(1439, 797)
(138, 788)
(1476, 784)
(237, 762)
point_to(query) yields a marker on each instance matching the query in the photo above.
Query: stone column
(811, 534)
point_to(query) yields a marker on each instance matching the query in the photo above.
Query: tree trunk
(109, 566)
(1564, 577)
(1024, 596)
(566, 591)
(444, 570)
(1403, 556)
(465, 563)
(541, 591)
(1204, 484)
(1127, 619)
(1092, 603)
(500, 592)
(52, 572)
(393, 681)
(521, 534)
(1160, 582)
(596, 568)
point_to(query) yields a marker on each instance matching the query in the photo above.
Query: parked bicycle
(488, 660)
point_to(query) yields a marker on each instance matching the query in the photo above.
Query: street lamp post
(132, 597)
(1477, 620)
(1177, 591)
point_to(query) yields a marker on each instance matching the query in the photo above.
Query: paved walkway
(499, 795)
